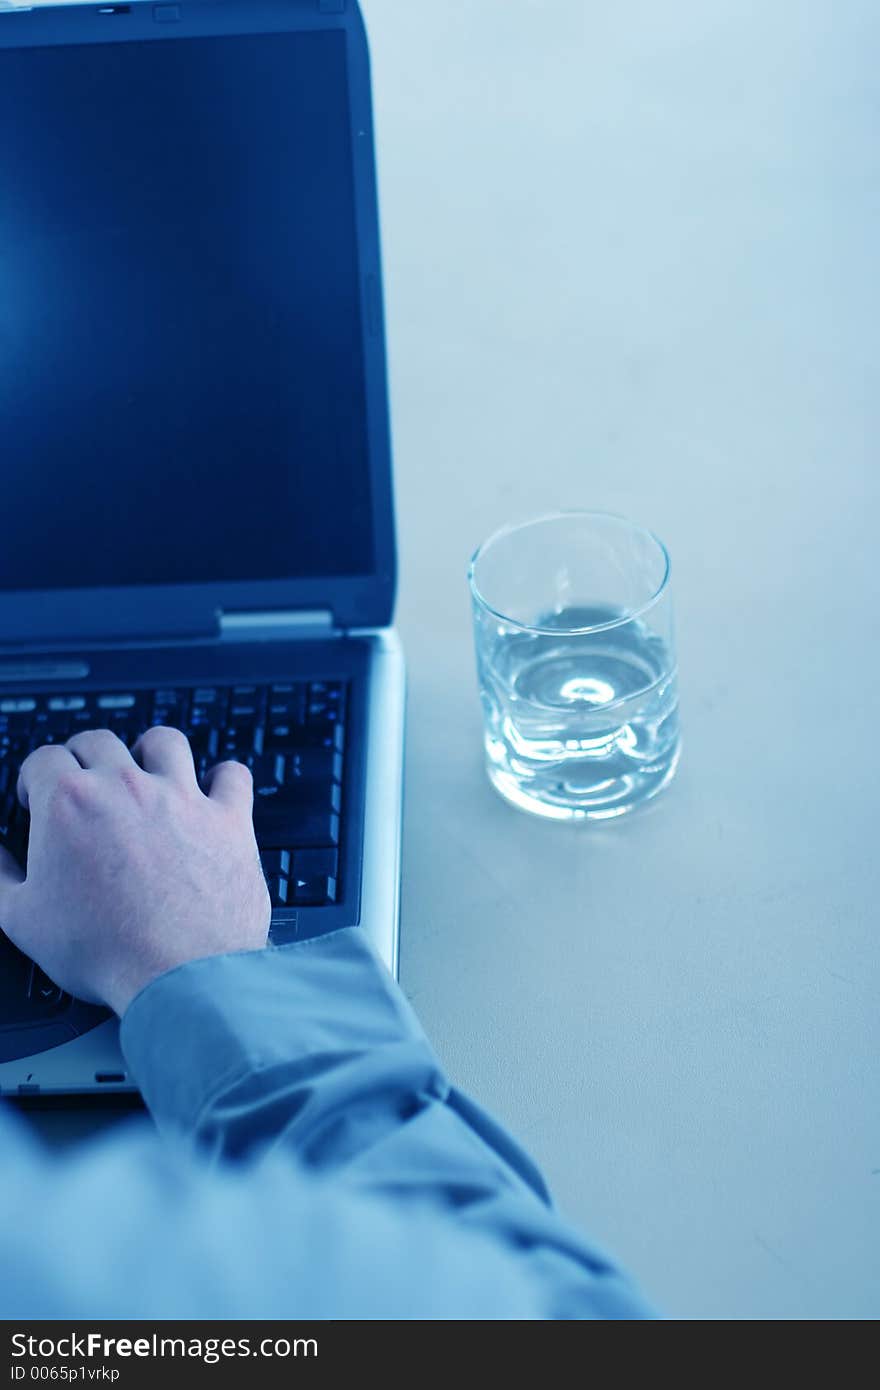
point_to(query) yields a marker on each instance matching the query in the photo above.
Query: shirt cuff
(191, 1033)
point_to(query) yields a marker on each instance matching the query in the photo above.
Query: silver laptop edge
(383, 816)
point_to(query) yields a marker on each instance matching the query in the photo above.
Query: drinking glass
(576, 664)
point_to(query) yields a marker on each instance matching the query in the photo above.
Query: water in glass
(578, 725)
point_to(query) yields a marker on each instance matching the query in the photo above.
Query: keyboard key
(300, 736)
(171, 708)
(17, 723)
(20, 705)
(314, 763)
(117, 701)
(244, 712)
(12, 812)
(14, 747)
(315, 863)
(43, 991)
(308, 796)
(67, 702)
(61, 724)
(318, 710)
(279, 890)
(168, 719)
(276, 863)
(54, 723)
(208, 706)
(277, 826)
(121, 722)
(204, 741)
(281, 734)
(14, 834)
(241, 741)
(321, 735)
(267, 771)
(326, 690)
(21, 1002)
(314, 892)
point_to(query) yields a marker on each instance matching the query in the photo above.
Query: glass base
(601, 799)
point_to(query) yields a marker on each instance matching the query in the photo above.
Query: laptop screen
(182, 392)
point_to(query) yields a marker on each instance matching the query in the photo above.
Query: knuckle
(134, 781)
(162, 735)
(67, 786)
(74, 791)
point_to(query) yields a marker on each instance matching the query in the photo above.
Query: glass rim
(563, 515)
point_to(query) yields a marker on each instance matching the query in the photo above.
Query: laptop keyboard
(291, 736)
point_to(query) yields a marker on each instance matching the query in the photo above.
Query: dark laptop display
(182, 389)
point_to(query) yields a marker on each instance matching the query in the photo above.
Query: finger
(166, 752)
(99, 750)
(11, 877)
(40, 772)
(231, 784)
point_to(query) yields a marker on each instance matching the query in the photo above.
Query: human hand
(132, 869)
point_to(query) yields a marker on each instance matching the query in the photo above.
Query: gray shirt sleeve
(316, 1163)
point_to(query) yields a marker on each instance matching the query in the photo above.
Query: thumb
(11, 877)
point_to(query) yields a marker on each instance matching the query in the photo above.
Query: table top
(630, 264)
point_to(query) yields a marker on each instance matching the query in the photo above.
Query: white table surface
(631, 264)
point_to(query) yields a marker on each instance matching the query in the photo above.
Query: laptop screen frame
(73, 616)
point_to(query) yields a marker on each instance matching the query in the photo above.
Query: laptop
(195, 472)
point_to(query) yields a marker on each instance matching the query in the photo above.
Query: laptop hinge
(275, 625)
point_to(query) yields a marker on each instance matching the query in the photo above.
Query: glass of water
(576, 664)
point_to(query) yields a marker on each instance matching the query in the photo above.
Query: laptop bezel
(75, 616)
